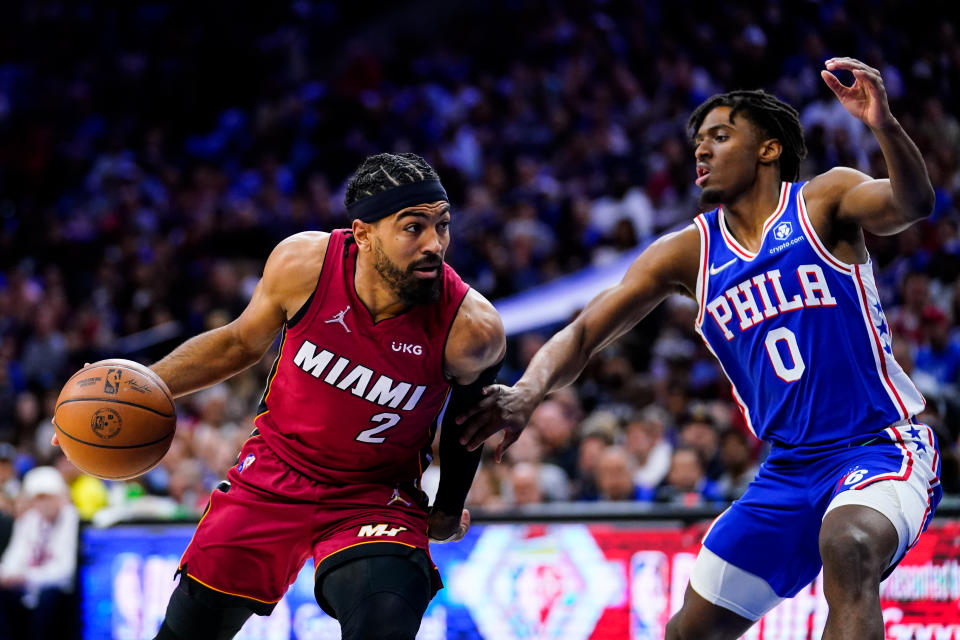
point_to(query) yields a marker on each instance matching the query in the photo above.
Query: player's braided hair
(776, 118)
(385, 171)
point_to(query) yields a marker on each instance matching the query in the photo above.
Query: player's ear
(361, 234)
(770, 150)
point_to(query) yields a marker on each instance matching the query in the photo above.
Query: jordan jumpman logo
(397, 498)
(339, 318)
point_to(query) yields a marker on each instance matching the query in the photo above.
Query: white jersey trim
(906, 465)
(731, 242)
(875, 347)
(733, 387)
(818, 248)
(703, 274)
(904, 394)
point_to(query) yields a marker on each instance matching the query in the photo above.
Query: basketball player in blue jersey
(788, 304)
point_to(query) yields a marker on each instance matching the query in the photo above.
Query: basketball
(115, 419)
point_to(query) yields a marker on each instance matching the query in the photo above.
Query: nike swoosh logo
(715, 270)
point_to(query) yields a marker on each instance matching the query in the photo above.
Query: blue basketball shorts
(765, 547)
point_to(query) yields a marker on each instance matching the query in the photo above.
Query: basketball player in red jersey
(377, 332)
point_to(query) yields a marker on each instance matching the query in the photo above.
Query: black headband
(380, 205)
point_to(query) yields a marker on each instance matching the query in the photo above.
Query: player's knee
(850, 554)
(382, 616)
(672, 630)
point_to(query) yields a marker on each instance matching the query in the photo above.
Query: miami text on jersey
(384, 391)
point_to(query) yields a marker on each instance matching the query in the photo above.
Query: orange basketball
(115, 419)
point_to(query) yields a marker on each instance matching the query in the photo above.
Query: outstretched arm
(220, 353)
(667, 266)
(472, 360)
(882, 207)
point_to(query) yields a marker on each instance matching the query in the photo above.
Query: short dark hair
(774, 117)
(384, 171)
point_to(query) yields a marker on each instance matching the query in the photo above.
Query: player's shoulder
(306, 246)
(478, 317)
(674, 258)
(687, 238)
(303, 242)
(477, 337)
(297, 258)
(831, 185)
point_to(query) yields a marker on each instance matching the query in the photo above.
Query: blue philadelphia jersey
(800, 334)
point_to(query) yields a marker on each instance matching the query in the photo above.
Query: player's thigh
(257, 530)
(196, 612)
(723, 595)
(742, 566)
(249, 545)
(378, 596)
(700, 619)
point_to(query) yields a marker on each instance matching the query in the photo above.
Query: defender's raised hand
(502, 408)
(866, 98)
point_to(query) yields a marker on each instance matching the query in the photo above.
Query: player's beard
(710, 198)
(404, 282)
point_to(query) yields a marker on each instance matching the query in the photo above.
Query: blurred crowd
(151, 155)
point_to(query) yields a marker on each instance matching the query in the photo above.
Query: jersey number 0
(785, 373)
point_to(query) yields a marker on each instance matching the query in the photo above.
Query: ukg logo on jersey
(403, 347)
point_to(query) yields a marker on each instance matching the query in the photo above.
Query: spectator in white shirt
(38, 567)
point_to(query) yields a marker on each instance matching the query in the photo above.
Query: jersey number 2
(385, 420)
(785, 373)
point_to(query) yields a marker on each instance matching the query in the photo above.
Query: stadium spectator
(647, 443)
(686, 483)
(525, 484)
(598, 431)
(938, 357)
(558, 435)
(553, 481)
(37, 568)
(739, 469)
(615, 470)
(700, 433)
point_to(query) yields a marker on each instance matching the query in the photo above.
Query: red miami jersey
(350, 400)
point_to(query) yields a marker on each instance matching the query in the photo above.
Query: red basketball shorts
(254, 538)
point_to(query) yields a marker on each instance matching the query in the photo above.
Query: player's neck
(746, 214)
(375, 294)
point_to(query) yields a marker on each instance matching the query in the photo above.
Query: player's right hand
(502, 408)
